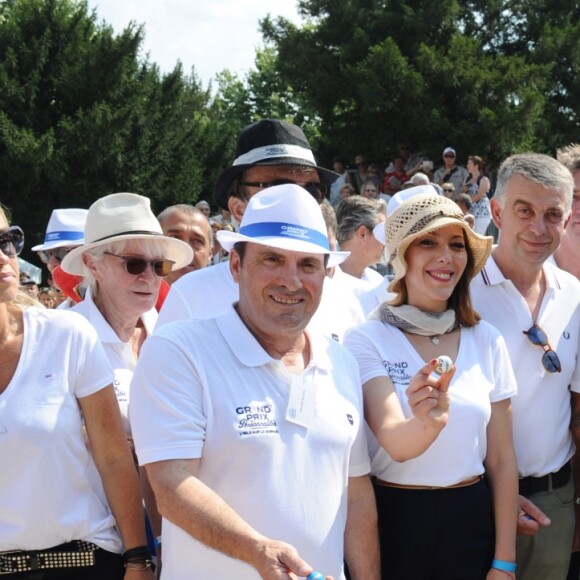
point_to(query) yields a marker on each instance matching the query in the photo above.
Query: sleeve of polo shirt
(505, 381)
(91, 366)
(359, 461)
(166, 403)
(365, 351)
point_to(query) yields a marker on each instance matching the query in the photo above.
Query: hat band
(284, 230)
(128, 233)
(273, 151)
(58, 236)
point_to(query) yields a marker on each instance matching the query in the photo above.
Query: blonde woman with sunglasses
(66, 513)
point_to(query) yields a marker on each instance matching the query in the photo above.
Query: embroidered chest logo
(398, 371)
(257, 418)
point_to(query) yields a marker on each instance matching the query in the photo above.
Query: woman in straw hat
(436, 436)
(123, 261)
(65, 512)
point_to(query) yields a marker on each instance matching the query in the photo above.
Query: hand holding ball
(444, 364)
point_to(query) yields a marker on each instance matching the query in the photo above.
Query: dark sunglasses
(12, 241)
(316, 190)
(448, 190)
(57, 253)
(449, 155)
(550, 359)
(136, 266)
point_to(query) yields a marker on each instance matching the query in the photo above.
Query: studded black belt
(76, 554)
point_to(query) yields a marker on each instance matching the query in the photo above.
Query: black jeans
(108, 566)
(442, 534)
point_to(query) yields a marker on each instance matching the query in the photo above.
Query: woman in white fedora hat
(438, 518)
(66, 513)
(123, 260)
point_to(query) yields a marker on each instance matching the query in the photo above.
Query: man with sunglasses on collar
(536, 306)
(269, 152)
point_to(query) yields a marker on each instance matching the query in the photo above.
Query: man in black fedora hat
(268, 152)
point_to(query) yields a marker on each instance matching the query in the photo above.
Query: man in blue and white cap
(251, 427)
(269, 152)
(64, 232)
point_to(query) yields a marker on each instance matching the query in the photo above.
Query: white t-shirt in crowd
(369, 280)
(541, 411)
(484, 376)
(49, 494)
(374, 297)
(207, 389)
(210, 292)
(119, 353)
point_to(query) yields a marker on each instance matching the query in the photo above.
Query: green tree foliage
(489, 77)
(82, 115)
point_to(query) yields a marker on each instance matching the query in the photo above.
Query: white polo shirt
(373, 298)
(210, 292)
(119, 353)
(369, 280)
(216, 394)
(541, 411)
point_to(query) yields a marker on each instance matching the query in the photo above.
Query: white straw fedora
(286, 217)
(124, 216)
(65, 228)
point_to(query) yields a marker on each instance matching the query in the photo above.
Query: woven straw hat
(420, 215)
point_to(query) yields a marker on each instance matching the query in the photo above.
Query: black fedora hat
(269, 142)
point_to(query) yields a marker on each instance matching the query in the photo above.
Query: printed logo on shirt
(256, 418)
(350, 418)
(120, 392)
(398, 371)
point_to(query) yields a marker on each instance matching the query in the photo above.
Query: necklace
(433, 339)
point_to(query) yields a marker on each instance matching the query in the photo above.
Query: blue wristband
(504, 566)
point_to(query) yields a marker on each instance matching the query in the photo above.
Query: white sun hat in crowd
(285, 217)
(65, 228)
(124, 216)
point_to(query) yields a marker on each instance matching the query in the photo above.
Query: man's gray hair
(541, 169)
(420, 179)
(353, 212)
(569, 156)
